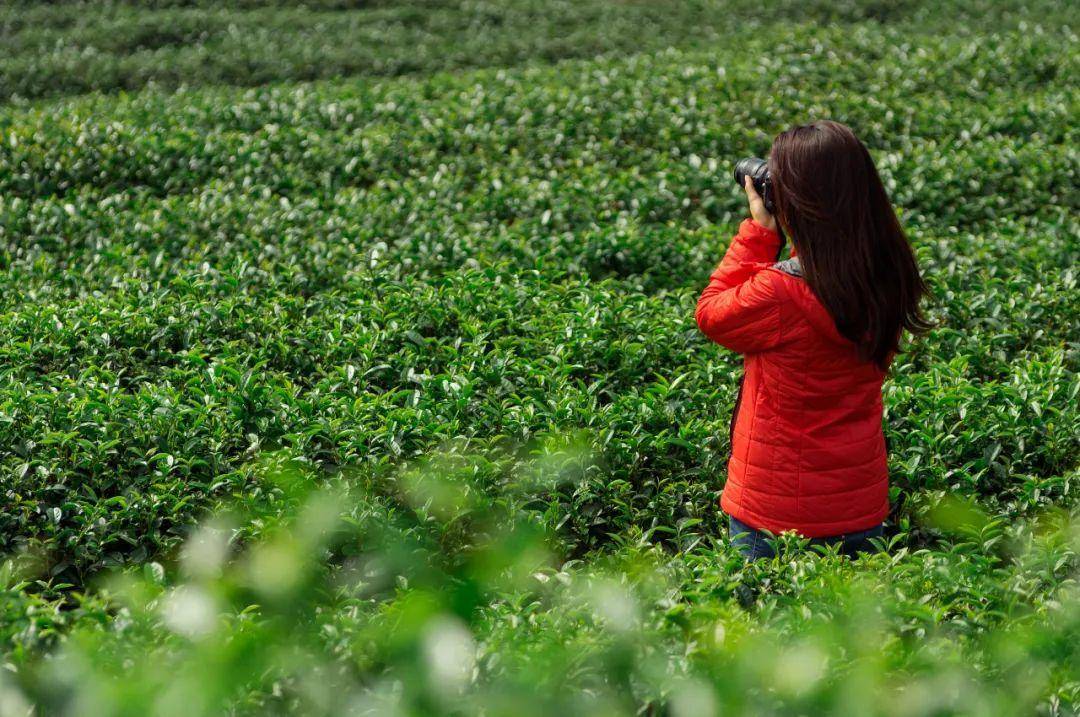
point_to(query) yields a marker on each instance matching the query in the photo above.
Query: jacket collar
(790, 266)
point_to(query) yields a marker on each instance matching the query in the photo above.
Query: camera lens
(758, 171)
(754, 167)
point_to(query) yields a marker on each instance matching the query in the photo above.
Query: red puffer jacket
(808, 452)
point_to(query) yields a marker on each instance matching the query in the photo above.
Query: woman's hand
(757, 206)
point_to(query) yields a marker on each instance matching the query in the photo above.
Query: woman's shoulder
(788, 274)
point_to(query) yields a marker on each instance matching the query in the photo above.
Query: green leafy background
(414, 344)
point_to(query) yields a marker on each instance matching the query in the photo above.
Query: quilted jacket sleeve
(740, 308)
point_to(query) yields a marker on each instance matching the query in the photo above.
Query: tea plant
(462, 305)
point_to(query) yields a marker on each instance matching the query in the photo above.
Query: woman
(818, 332)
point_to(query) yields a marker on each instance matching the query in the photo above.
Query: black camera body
(758, 171)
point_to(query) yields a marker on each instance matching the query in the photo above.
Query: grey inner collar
(790, 266)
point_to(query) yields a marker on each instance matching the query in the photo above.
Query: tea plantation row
(447, 604)
(461, 305)
(69, 47)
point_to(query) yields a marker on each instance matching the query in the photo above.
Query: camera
(758, 171)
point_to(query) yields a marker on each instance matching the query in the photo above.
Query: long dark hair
(854, 254)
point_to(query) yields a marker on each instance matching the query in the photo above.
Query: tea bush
(75, 46)
(461, 306)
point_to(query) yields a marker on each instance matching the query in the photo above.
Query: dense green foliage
(58, 48)
(461, 304)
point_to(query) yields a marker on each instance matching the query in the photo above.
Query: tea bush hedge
(457, 308)
(76, 46)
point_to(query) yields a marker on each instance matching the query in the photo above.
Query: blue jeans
(755, 543)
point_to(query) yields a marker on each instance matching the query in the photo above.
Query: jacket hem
(807, 529)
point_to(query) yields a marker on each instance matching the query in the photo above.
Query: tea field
(348, 362)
